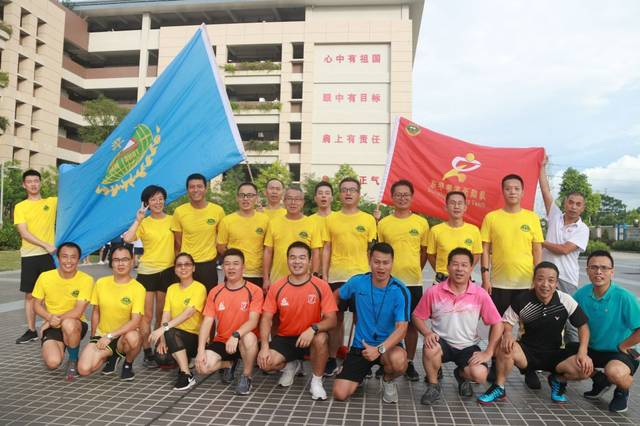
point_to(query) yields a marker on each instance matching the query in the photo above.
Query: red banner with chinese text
(437, 164)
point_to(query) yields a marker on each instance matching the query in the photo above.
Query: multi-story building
(313, 83)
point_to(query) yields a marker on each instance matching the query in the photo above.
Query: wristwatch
(484, 269)
(235, 334)
(381, 349)
(165, 326)
(109, 336)
(315, 328)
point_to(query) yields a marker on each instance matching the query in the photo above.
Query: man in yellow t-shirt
(274, 191)
(284, 230)
(35, 219)
(118, 307)
(451, 234)
(323, 196)
(512, 245)
(195, 227)
(60, 298)
(245, 230)
(350, 231)
(407, 233)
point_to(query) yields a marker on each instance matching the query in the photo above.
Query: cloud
(620, 179)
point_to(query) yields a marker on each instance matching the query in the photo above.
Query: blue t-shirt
(377, 312)
(612, 318)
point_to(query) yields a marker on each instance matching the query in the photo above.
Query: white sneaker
(389, 391)
(288, 374)
(101, 263)
(317, 390)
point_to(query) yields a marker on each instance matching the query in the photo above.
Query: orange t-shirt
(231, 308)
(299, 306)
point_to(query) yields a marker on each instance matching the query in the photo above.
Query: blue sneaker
(493, 394)
(558, 389)
(619, 402)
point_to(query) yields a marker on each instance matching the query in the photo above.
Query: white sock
(316, 378)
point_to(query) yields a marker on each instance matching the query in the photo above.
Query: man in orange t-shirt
(235, 305)
(307, 310)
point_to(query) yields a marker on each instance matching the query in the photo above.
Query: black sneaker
(600, 386)
(379, 372)
(411, 374)
(331, 368)
(127, 373)
(244, 385)
(111, 364)
(532, 380)
(150, 362)
(228, 374)
(184, 382)
(28, 336)
(619, 401)
(464, 386)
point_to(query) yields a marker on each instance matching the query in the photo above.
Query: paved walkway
(32, 395)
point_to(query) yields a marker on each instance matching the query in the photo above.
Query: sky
(563, 75)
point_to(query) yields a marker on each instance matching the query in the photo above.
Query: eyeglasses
(293, 199)
(121, 260)
(248, 195)
(596, 268)
(184, 265)
(402, 195)
(349, 190)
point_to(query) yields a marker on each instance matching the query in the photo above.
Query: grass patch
(9, 260)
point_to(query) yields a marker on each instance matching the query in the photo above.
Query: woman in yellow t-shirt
(177, 338)
(155, 271)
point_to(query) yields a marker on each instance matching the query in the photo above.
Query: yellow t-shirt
(443, 238)
(60, 295)
(321, 222)
(179, 299)
(408, 237)
(157, 240)
(199, 228)
(281, 233)
(246, 234)
(273, 213)
(511, 236)
(40, 218)
(350, 236)
(117, 303)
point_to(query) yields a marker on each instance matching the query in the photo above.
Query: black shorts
(220, 349)
(259, 281)
(503, 297)
(138, 251)
(286, 346)
(178, 340)
(113, 346)
(344, 305)
(544, 360)
(159, 281)
(56, 333)
(206, 273)
(356, 367)
(30, 269)
(460, 357)
(416, 295)
(601, 359)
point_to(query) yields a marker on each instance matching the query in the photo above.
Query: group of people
(289, 278)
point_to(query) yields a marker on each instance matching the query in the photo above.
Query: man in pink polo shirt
(455, 306)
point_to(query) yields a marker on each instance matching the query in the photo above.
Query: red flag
(437, 164)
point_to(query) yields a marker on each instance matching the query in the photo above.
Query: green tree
(574, 181)
(633, 215)
(103, 115)
(611, 211)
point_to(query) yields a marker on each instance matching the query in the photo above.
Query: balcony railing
(243, 106)
(76, 146)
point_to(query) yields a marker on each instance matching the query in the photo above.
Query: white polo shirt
(559, 233)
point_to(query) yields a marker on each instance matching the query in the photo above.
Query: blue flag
(182, 125)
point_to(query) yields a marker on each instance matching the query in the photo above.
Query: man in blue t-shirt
(382, 303)
(614, 323)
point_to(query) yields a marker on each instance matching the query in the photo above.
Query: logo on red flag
(437, 164)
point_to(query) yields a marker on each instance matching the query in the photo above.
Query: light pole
(2, 190)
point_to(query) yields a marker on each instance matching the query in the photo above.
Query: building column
(144, 54)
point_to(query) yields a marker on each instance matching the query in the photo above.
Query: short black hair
(452, 193)
(349, 179)
(512, 176)
(69, 244)
(31, 172)
(381, 248)
(233, 252)
(600, 253)
(183, 254)
(576, 193)
(196, 176)
(151, 191)
(299, 244)
(116, 247)
(251, 184)
(272, 179)
(294, 188)
(402, 182)
(546, 265)
(321, 184)
(460, 251)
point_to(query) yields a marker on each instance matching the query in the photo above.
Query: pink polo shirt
(455, 318)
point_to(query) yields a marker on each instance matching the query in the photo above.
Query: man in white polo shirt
(567, 236)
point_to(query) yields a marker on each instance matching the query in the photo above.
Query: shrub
(626, 245)
(593, 246)
(9, 237)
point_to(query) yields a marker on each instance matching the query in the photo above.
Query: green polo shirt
(612, 318)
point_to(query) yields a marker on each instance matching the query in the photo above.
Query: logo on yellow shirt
(186, 301)
(125, 300)
(211, 221)
(303, 234)
(45, 208)
(468, 241)
(462, 165)
(361, 228)
(75, 293)
(414, 232)
(525, 228)
(259, 231)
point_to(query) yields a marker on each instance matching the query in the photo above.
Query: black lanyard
(373, 306)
